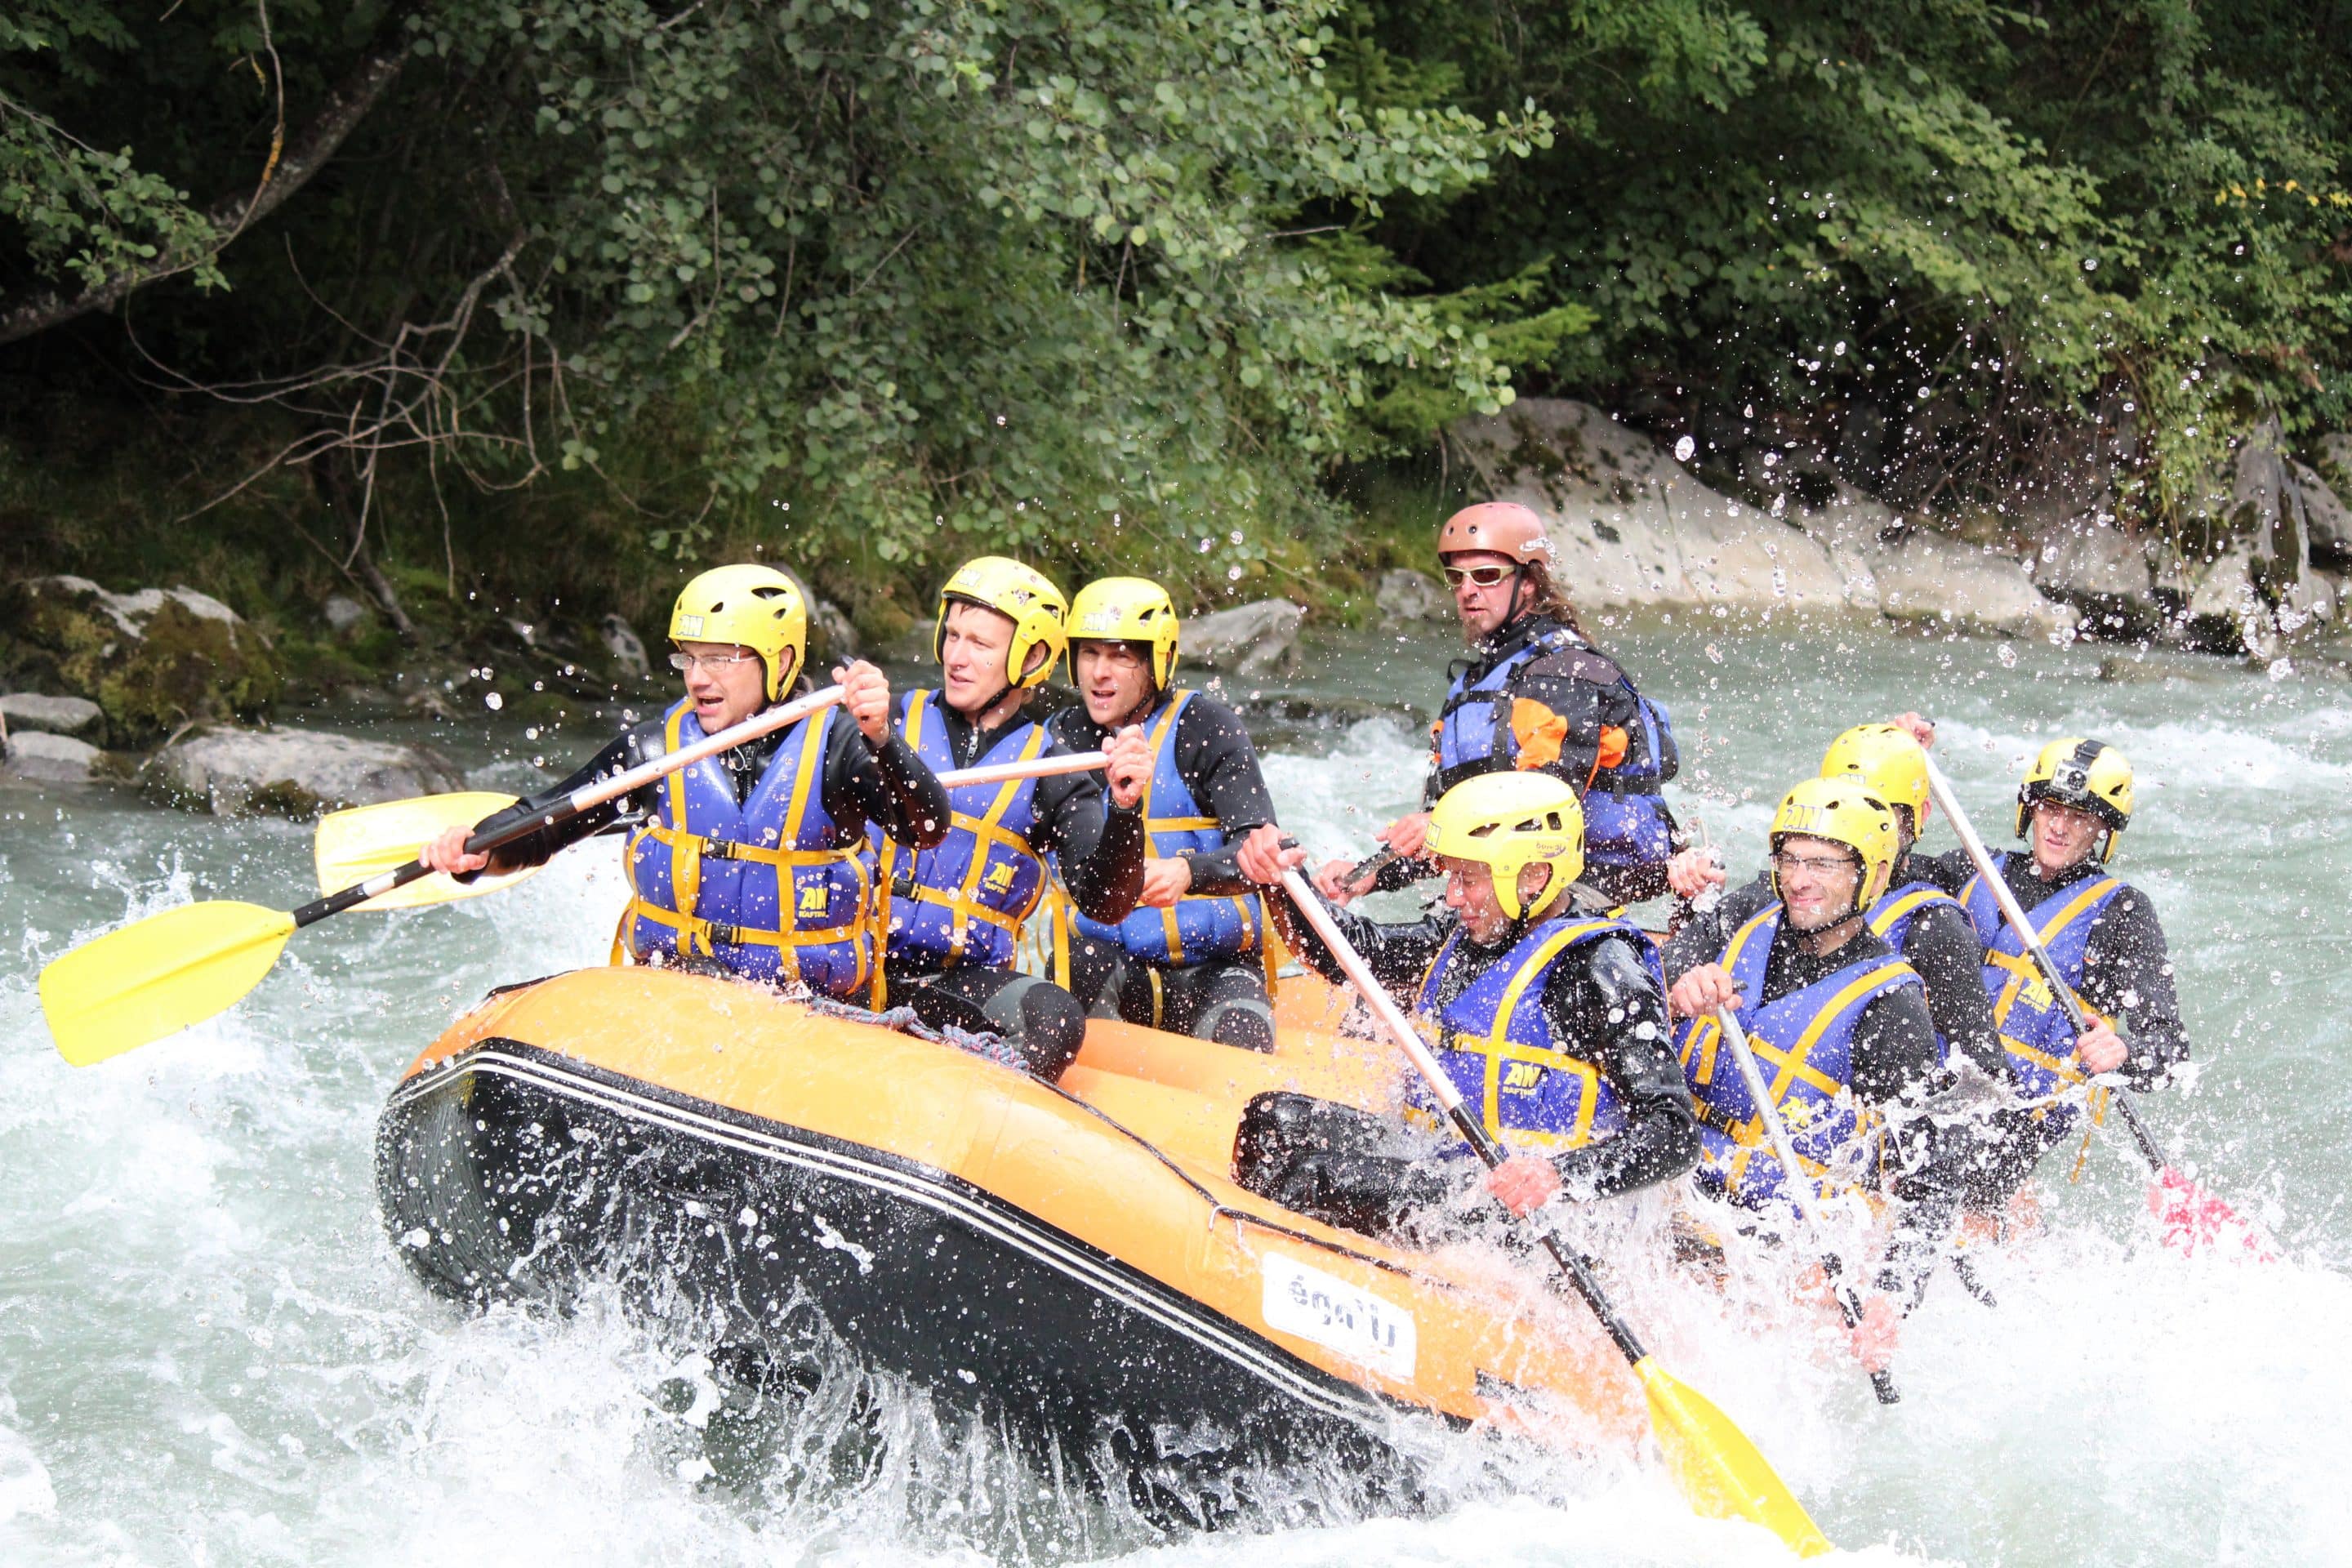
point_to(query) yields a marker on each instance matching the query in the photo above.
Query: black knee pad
(1043, 1021)
(1275, 1129)
(1245, 1022)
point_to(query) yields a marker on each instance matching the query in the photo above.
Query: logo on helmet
(689, 626)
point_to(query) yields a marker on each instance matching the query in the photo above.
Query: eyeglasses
(1484, 577)
(1819, 865)
(714, 662)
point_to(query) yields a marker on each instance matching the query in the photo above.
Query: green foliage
(1816, 207)
(875, 284)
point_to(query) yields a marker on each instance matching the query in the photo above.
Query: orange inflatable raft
(1073, 1259)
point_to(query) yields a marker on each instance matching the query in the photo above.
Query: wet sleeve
(1944, 948)
(1398, 955)
(888, 785)
(1099, 847)
(1611, 998)
(538, 847)
(1895, 1070)
(1703, 937)
(2127, 974)
(1214, 753)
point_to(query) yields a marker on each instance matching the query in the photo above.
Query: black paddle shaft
(383, 882)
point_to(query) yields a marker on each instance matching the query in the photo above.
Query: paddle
(1719, 1471)
(355, 845)
(2188, 1214)
(1798, 1183)
(157, 976)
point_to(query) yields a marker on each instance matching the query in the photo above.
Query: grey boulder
(1251, 639)
(25, 711)
(291, 772)
(51, 759)
(1405, 595)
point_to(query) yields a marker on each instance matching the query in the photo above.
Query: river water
(210, 1355)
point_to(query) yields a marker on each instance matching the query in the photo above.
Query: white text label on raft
(1336, 1315)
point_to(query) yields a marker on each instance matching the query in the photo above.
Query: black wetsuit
(1585, 705)
(1221, 998)
(1099, 849)
(1896, 1067)
(1373, 1173)
(2127, 975)
(862, 783)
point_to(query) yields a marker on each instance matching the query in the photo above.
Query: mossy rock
(152, 660)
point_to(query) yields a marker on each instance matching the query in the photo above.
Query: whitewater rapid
(210, 1355)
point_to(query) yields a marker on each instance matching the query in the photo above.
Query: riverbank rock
(2093, 565)
(1405, 595)
(291, 772)
(151, 660)
(21, 711)
(2330, 518)
(50, 759)
(628, 650)
(1633, 529)
(1251, 639)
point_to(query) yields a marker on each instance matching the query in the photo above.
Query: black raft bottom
(513, 1172)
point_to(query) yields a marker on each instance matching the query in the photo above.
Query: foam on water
(209, 1351)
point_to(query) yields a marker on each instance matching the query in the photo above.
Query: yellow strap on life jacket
(696, 936)
(963, 901)
(1791, 1066)
(1706, 1035)
(1498, 1049)
(1883, 922)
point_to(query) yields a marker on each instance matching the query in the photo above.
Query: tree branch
(346, 107)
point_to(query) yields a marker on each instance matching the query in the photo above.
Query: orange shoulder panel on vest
(1540, 730)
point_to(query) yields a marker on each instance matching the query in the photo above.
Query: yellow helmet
(2089, 775)
(756, 607)
(1507, 822)
(1843, 811)
(1127, 609)
(1022, 593)
(1887, 760)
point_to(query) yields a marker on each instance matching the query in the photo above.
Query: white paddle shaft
(1799, 1184)
(727, 739)
(1034, 768)
(1375, 994)
(1998, 885)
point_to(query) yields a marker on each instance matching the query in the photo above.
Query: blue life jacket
(1625, 818)
(1890, 921)
(965, 899)
(1198, 926)
(760, 886)
(2035, 1028)
(1535, 1093)
(1804, 1050)
(1890, 917)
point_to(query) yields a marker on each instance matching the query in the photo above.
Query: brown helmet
(1503, 526)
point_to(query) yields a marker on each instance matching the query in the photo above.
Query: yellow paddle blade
(1718, 1469)
(354, 845)
(157, 976)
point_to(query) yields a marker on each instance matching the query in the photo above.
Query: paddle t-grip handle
(586, 797)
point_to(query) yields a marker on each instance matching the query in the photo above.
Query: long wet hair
(1550, 600)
